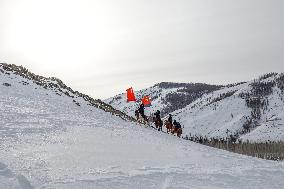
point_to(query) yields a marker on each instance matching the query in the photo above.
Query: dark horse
(158, 124)
(176, 130)
(169, 126)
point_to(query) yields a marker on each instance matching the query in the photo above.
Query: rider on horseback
(177, 128)
(158, 120)
(169, 124)
(141, 111)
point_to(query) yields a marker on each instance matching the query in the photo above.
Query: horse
(158, 124)
(176, 130)
(168, 125)
(137, 115)
(143, 120)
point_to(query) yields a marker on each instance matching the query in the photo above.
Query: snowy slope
(47, 141)
(251, 111)
(25, 77)
(166, 97)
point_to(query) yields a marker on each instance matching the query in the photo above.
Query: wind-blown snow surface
(47, 141)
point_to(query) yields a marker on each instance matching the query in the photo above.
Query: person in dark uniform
(141, 110)
(176, 124)
(170, 119)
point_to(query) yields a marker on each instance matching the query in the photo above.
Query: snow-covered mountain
(248, 110)
(49, 141)
(166, 97)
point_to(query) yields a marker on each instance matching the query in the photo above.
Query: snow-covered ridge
(26, 77)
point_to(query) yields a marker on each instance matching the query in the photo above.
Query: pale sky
(103, 47)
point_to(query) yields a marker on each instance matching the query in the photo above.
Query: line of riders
(173, 127)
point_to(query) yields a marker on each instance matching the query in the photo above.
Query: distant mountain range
(252, 110)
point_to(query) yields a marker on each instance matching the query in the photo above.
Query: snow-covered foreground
(47, 141)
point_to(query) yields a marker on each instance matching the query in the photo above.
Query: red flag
(146, 101)
(130, 95)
